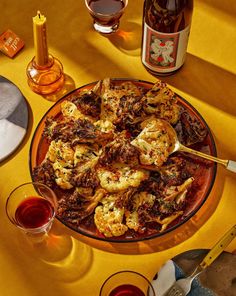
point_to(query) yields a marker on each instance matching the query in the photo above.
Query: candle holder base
(45, 79)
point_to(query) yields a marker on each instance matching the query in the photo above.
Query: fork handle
(218, 248)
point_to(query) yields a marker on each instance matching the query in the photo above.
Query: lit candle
(40, 39)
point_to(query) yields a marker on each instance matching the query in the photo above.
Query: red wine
(126, 290)
(34, 212)
(106, 7)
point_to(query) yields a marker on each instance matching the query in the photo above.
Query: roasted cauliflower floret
(162, 101)
(70, 111)
(132, 216)
(61, 152)
(132, 220)
(63, 176)
(84, 153)
(109, 219)
(121, 178)
(105, 126)
(62, 157)
(154, 142)
(111, 96)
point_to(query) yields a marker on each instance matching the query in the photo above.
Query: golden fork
(182, 286)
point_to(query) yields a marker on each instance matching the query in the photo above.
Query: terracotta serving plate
(205, 180)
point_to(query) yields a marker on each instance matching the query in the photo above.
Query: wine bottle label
(164, 52)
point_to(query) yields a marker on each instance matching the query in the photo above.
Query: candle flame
(38, 13)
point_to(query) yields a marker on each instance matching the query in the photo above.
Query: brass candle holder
(45, 72)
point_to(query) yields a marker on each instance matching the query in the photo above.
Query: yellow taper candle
(40, 39)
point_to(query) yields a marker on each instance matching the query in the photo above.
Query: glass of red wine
(127, 283)
(106, 14)
(32, 207)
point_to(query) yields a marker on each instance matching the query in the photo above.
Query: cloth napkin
(169, 273)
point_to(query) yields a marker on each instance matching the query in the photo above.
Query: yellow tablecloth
(207, 80)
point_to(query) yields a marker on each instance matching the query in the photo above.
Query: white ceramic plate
(13, 117)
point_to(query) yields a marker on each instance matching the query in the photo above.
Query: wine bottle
(166, 28)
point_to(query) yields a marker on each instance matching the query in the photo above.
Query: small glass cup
(32, 208)
(125, 283)
(106, 14)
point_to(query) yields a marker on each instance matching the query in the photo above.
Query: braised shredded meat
(120, 150)
(89, 104)
(189, 129)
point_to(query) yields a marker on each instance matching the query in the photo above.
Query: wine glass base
(106, 29)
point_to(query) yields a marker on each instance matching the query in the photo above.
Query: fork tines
(175, 290)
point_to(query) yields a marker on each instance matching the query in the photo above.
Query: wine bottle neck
(168, 16)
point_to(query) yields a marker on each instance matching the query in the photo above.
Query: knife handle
(218, 248)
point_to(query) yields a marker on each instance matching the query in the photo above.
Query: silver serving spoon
(177, 146)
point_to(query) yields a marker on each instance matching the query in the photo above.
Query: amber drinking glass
(32, 207)
(125, 283)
